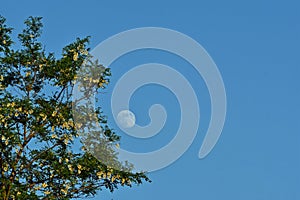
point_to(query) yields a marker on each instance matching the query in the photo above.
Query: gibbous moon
(126, 119)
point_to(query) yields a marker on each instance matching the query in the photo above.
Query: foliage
(37, 127)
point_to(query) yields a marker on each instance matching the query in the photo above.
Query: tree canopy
(37, 128)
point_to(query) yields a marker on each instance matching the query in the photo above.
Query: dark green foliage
(37, 129)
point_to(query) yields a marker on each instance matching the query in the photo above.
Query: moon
(126, 118)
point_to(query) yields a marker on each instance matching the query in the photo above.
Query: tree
(37, 128)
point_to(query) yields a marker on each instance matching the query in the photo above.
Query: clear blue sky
(256, 47)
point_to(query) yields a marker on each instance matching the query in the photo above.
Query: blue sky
(255, 45)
